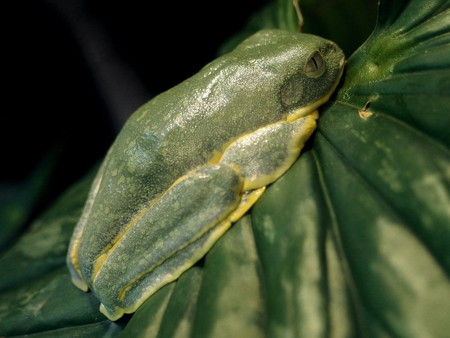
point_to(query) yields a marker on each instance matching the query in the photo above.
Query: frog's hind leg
(167, 237)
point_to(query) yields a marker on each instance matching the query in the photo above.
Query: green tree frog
(193, 160)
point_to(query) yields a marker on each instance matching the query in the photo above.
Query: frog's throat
(311, 108)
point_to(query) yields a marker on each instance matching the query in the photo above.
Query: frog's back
(182, 128)
(177, 131)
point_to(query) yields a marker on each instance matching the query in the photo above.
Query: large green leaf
(352, 241)
(18, 200)
(369, 204)
(335, 20)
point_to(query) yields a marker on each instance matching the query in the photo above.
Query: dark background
(74, 70)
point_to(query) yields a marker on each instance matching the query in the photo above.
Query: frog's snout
(342, 61)
(336, 50)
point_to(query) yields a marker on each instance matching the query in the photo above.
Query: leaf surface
(353, 241)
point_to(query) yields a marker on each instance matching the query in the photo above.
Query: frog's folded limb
(184, 224)
(264, 155)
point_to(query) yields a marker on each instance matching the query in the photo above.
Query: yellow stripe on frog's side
(310, 110)
(74, 266)
(78, 281)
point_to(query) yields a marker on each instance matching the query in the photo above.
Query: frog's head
(302, 70)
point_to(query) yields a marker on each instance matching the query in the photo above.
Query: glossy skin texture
(193, 160)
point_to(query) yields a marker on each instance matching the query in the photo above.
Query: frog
(193, 160)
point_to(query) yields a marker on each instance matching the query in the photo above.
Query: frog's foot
(179, 228)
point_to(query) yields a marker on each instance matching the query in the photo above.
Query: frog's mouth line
(304, 111)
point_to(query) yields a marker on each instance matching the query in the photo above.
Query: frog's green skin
(193, 160)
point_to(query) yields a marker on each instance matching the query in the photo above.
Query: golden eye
(315, 65)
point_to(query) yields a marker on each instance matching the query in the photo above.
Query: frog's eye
(315, 65)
